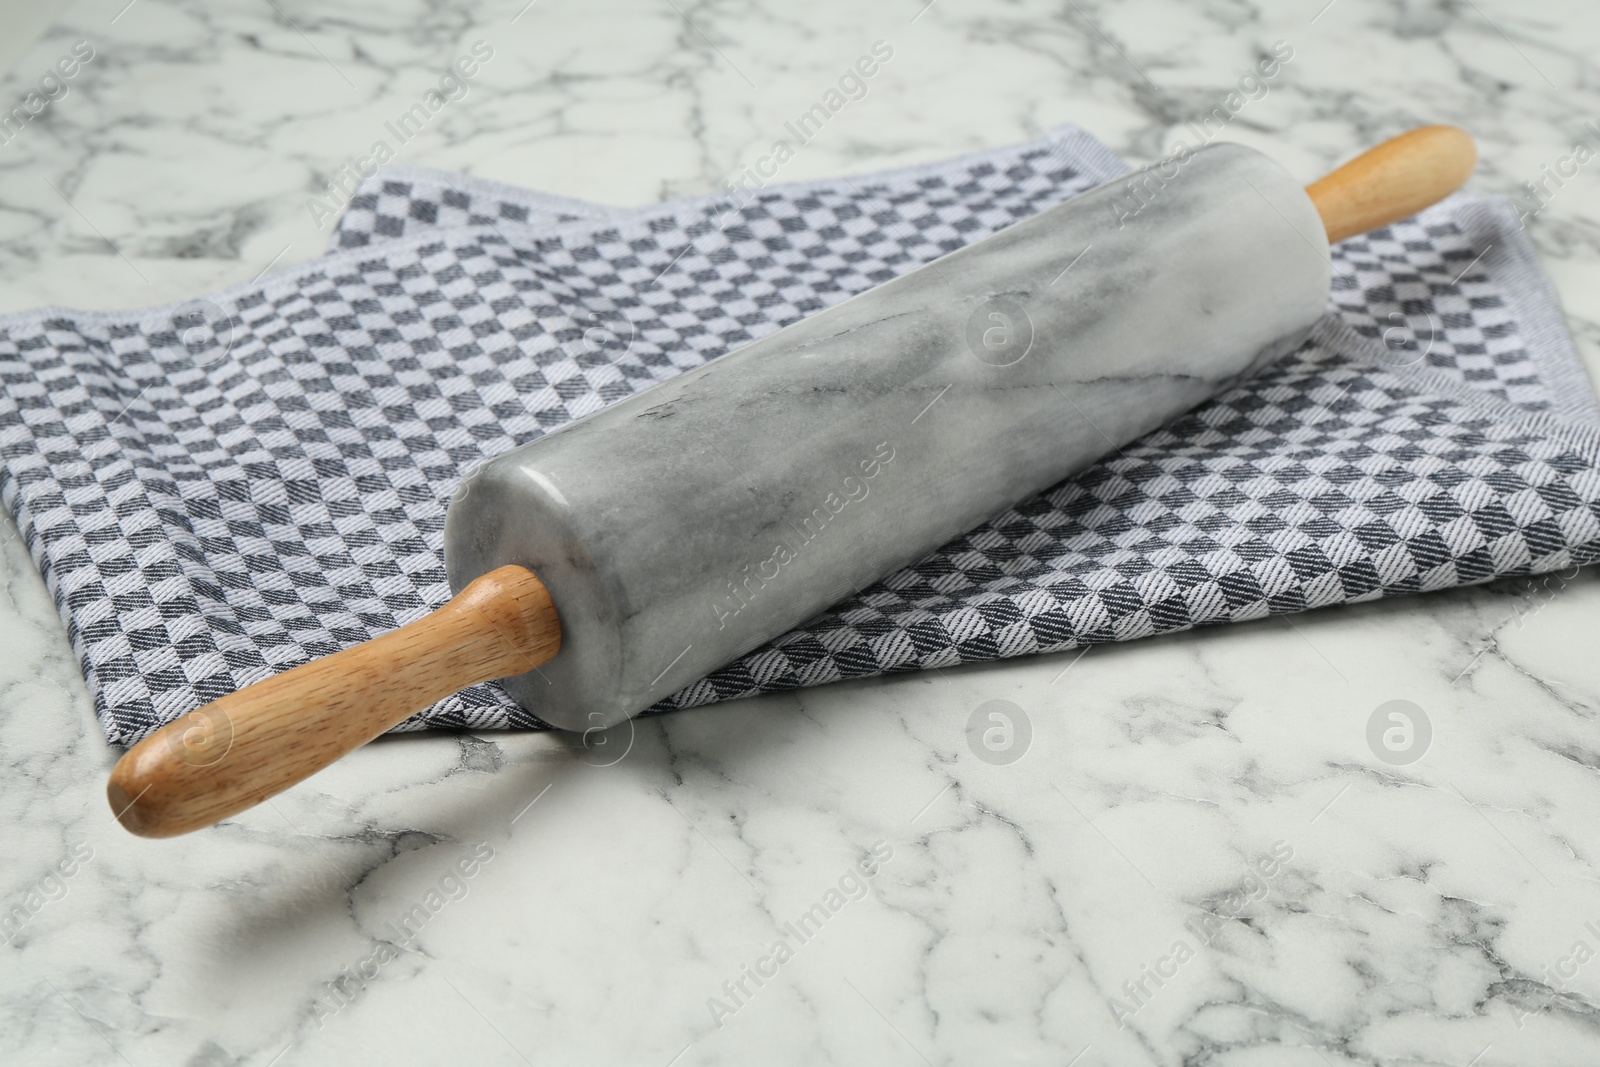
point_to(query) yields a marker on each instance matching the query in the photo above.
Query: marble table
(1215, 847)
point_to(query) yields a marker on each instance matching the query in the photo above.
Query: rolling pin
(607, 564)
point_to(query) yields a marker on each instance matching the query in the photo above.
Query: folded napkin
(227, 488)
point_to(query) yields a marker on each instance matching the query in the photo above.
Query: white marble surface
(1435, 912)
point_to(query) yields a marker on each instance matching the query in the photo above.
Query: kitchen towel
(226, 488)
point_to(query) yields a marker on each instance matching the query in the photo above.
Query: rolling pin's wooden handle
(235, 752)
(1394, 180)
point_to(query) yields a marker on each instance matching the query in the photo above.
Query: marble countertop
(1196, 856)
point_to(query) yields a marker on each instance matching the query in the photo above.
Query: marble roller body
(682, 527)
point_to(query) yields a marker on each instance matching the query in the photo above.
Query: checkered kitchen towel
(227, 488)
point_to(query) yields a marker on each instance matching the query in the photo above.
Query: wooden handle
(236, 752)
(1394, 180)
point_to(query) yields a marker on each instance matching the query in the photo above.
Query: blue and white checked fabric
(227, 488)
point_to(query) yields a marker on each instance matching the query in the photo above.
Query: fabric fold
(223, 489)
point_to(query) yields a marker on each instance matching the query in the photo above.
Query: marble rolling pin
(605, 565)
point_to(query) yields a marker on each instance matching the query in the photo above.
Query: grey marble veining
(684, 526)
(1433, 913)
